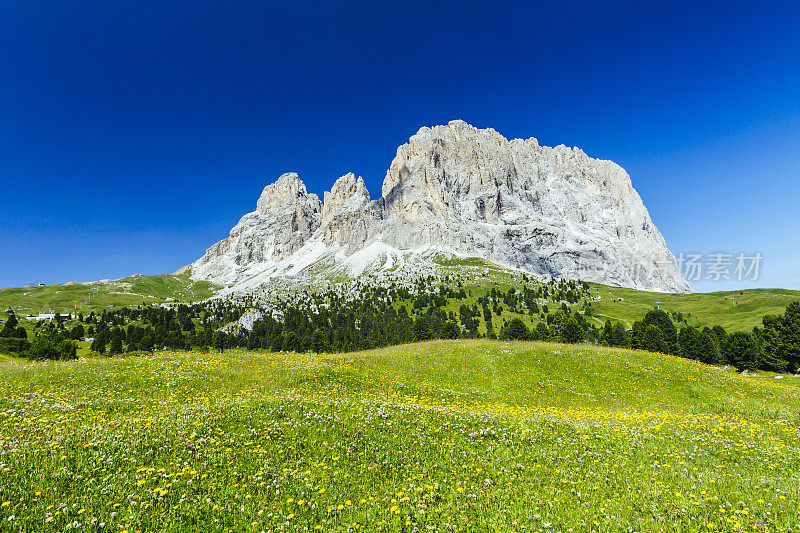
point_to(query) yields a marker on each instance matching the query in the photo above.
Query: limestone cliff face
(552, 211)
(286, 216)
(347, 213)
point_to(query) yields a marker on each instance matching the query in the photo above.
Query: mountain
(455, 190)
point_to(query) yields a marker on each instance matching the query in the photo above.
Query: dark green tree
(653, 339)
(422, 328)
(9, 327)
(769, 360)
(689, 343)
(741, 350)
(663, 322)
(637, 335)
(186, 322)
(720, 334)
(708, 348)
(100, 340)
(514, 330)
(147, 343)
(450, 331)
(219, 340)
(542, 332)
(607, 329)
(12, 329)
(50, 345)
(77, 332)
(618, 336)
(784, 336)
(115, 347)
(571, 331)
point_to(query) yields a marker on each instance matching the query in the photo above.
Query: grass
(745, 311)
(447, 435)
(108, 294)
(741, 313)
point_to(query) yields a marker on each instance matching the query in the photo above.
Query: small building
(48, 316)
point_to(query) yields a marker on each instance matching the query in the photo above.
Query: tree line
(48, 343)
(384, 316)
(773, 347)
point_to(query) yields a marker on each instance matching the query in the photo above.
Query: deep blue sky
(133, 135)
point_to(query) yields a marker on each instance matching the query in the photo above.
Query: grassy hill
(733, 310)
(447, 435)
(106, 294)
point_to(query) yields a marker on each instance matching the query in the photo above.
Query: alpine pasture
(440, 436)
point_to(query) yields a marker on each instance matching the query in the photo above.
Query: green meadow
(439, 436)
(733, 310)
(106, 294)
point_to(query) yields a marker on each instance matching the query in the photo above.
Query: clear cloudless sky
(133, 135)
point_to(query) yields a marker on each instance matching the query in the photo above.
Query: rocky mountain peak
(464, 190)
(348, 193)
(287, 190)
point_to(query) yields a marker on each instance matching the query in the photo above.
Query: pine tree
(146, 343)
(542, 332)
(450, 331)
(220, 341)
(741, 351)
(637, 336)
(99, 343)
(77, 332)
(669, 333)
(768, 359)
(571, 331)
(618, 337)
(789, 332)
(116, 342)
(422, 328)
(708, 348)
(9, 329)
(653, 340)
(514, 330)
(689, 343)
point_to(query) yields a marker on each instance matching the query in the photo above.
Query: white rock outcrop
(286, 216)
(464, 190)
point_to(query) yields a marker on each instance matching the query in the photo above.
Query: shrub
(50, 345)
(14, 346)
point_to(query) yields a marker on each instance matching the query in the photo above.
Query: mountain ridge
(456, 189)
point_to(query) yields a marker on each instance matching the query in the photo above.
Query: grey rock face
(471, 191)
(286, 216)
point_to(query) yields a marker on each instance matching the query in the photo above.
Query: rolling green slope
(107, 294)
(438, 436)
(733, 310)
